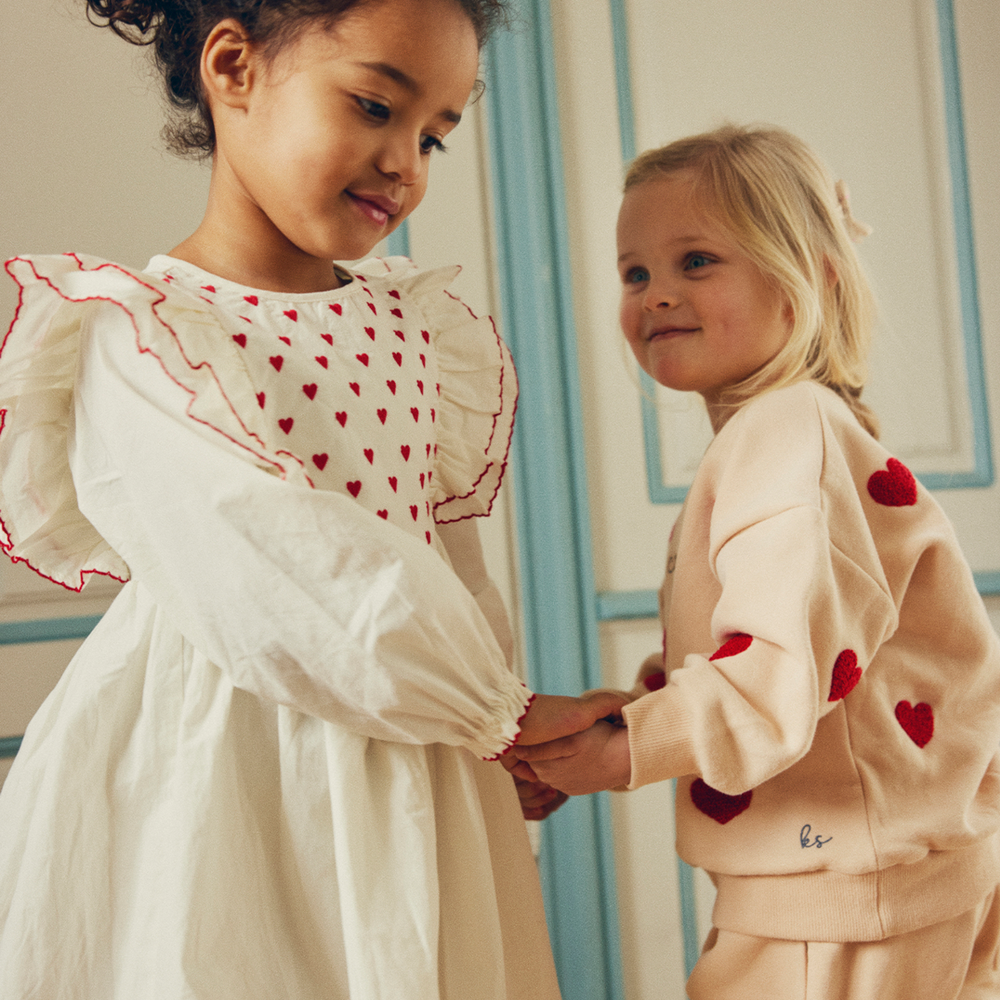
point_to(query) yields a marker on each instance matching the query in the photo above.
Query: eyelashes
(380, 113)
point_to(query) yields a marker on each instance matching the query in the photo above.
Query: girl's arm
(461, 541)
(300, 596)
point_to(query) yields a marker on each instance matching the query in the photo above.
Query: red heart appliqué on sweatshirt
(717, 805)
(917, 721)
(893, 486)
(732, 646)
(846, 674)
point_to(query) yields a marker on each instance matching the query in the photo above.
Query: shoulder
(399, 276)
(774, 441)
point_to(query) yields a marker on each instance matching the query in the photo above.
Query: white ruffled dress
(265, 773)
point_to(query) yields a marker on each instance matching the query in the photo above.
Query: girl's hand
(538, 800)
(590, 761)
(551, 716)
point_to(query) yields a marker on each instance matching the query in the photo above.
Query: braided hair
(176, 30)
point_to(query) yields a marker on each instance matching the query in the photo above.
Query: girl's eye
(696, 261)
(429, 143)
(373, 109)
(636, 275)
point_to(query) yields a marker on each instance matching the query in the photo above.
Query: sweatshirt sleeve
(301, 596)
(795, 621)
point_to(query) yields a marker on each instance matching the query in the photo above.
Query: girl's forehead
(670, 207)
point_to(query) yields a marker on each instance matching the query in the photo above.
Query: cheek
(628, 318)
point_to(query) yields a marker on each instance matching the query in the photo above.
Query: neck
(237, 242)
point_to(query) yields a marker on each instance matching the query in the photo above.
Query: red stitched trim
(496, 420)
(520, 719)
(143, 350)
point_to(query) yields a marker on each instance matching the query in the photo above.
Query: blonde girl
(266, 773)
(828, 694)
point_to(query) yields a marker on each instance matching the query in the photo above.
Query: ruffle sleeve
(300, 596)
(478, 391)
(40, 520)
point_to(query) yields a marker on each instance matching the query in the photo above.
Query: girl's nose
(401, 158)
(660, 295)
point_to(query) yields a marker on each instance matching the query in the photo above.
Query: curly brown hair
(176, 30)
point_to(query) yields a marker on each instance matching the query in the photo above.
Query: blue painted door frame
(549, 478)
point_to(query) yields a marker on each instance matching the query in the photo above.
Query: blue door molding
(549, 478)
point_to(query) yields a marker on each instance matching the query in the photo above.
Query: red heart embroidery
(416, 413)
(420, 386)
(371, 332)
(240, 338)
(394, 293)
(426, 336)
(381, 415)
(433, 416)
(310, 390)
(717, 805)
(392, 483)
(392, 386)
(327, 338)
(427, 535)
(895, 487)
(655, 681)
(846, 674)
(371, 305)
(404, 450)
(422, 480)
(286, 424)
(320, 461)
(337, 308)
(354, 488)
(423, 361)
(252, 299)
(428, 450)
(384, 514)
(917, 721)
(414, 510)
(292, 315)
(208, 288)
(286, 340)
(260, 399)
(247, 319)
(363, 358)
(277, 361)
(342, 418)
(400, 334)
(397, 313)
(398, 358)
(733, 645)
(355, 388)
(370, 455)
(322, 360)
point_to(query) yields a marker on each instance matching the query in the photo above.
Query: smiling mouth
(672, 331)
(377, 207)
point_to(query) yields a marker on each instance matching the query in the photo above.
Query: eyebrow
(407, 83)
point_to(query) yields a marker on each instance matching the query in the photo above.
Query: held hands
(571, 749)
(590, 761)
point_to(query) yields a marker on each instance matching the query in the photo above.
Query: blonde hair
(780, 203)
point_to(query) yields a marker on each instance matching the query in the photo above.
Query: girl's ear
(228, 64)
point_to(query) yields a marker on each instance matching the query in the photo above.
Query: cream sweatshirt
(831, 698)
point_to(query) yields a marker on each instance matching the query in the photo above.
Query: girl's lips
(671, 331)
(377, 207)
